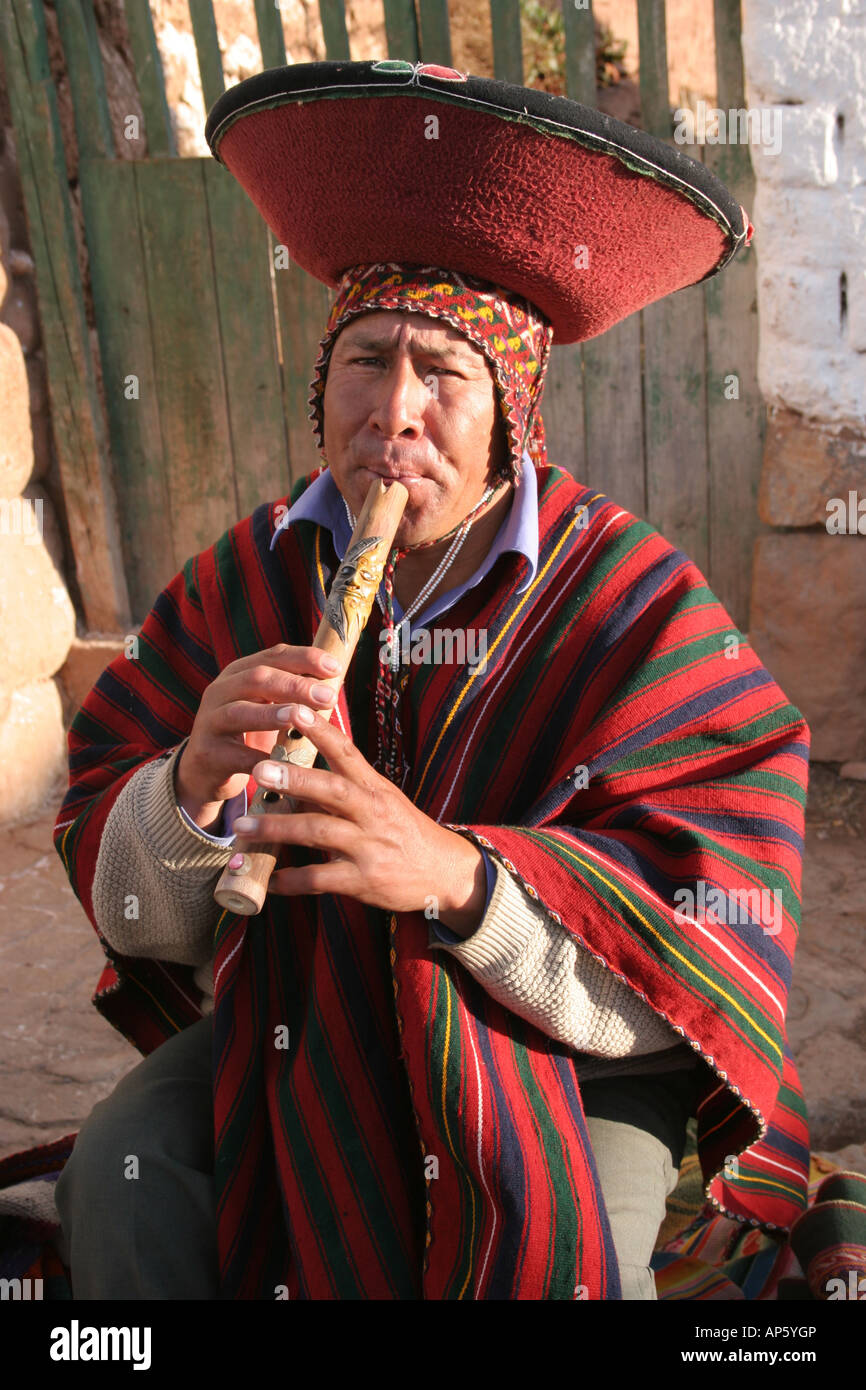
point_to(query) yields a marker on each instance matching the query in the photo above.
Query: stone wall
(806, 62)
(47, 665)
(37, 619)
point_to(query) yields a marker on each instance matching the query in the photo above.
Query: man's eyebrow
(373, 344)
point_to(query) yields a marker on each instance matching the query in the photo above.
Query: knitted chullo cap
(514, 336)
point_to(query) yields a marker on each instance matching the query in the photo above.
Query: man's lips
(391, 475)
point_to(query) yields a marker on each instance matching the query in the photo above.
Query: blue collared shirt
(322, 503)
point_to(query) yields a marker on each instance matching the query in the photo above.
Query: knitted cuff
(173, 841)
(504, 932)
(150, 860)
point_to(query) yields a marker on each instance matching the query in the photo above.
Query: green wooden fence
(206, 343)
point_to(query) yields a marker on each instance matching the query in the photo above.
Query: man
(456, 1054)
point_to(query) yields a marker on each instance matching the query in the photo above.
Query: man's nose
(401, 399)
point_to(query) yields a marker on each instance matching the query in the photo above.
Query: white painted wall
(808, 59)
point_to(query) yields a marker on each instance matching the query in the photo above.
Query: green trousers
(136, 1198)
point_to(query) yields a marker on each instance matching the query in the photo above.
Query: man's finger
(224, 761)
(307, 661)
(325, 789)
(339, 877)
(310, 828)
(248, 697)
(339, 751)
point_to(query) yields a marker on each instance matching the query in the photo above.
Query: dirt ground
(59, 1057)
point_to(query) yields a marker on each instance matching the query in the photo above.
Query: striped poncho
(633, 765)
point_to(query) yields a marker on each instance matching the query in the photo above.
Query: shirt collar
(322, 503)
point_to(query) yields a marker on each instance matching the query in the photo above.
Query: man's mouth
(390, 475)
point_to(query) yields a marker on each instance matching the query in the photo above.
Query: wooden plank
(401, 30)
(736, 422)
(303, 305)
(613, 411)
(78, 35)
(207, 47)
(435, 33)
(675, 421)
(652, 46)
(674, 338)
(563, 404)
(579, 53)
(242, 274)
(188, 364)
(333, 17)
(731, 162)
(507, 41)
(150, 79)
(562, 410)
(76, 412)
(730, 77)
(675, 417)
(271, 41)
(123, 324)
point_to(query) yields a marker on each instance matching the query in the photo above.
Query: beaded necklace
(390, 761)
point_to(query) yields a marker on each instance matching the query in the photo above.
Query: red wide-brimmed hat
(352, 163)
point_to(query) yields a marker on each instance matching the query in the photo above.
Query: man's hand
(238, 720)
(382, 849)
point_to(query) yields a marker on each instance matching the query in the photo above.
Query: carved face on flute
(408, 396)
(353, 591)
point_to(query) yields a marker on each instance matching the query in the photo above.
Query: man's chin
(415, 527)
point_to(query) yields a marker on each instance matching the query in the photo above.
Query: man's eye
(450, 370)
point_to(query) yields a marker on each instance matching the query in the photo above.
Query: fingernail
(330, 663)
(284, 714)
(323, 693)
(271, 775)
(304, 715)
(244, 824)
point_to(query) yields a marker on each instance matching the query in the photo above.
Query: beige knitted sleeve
(536, 969)
(155, 876)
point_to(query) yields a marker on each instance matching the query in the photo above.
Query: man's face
(410, 397)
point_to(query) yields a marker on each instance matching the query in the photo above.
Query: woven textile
(514, 336)
(416, 1139)
(700, 1255)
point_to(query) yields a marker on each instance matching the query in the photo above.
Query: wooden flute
(243, 884)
